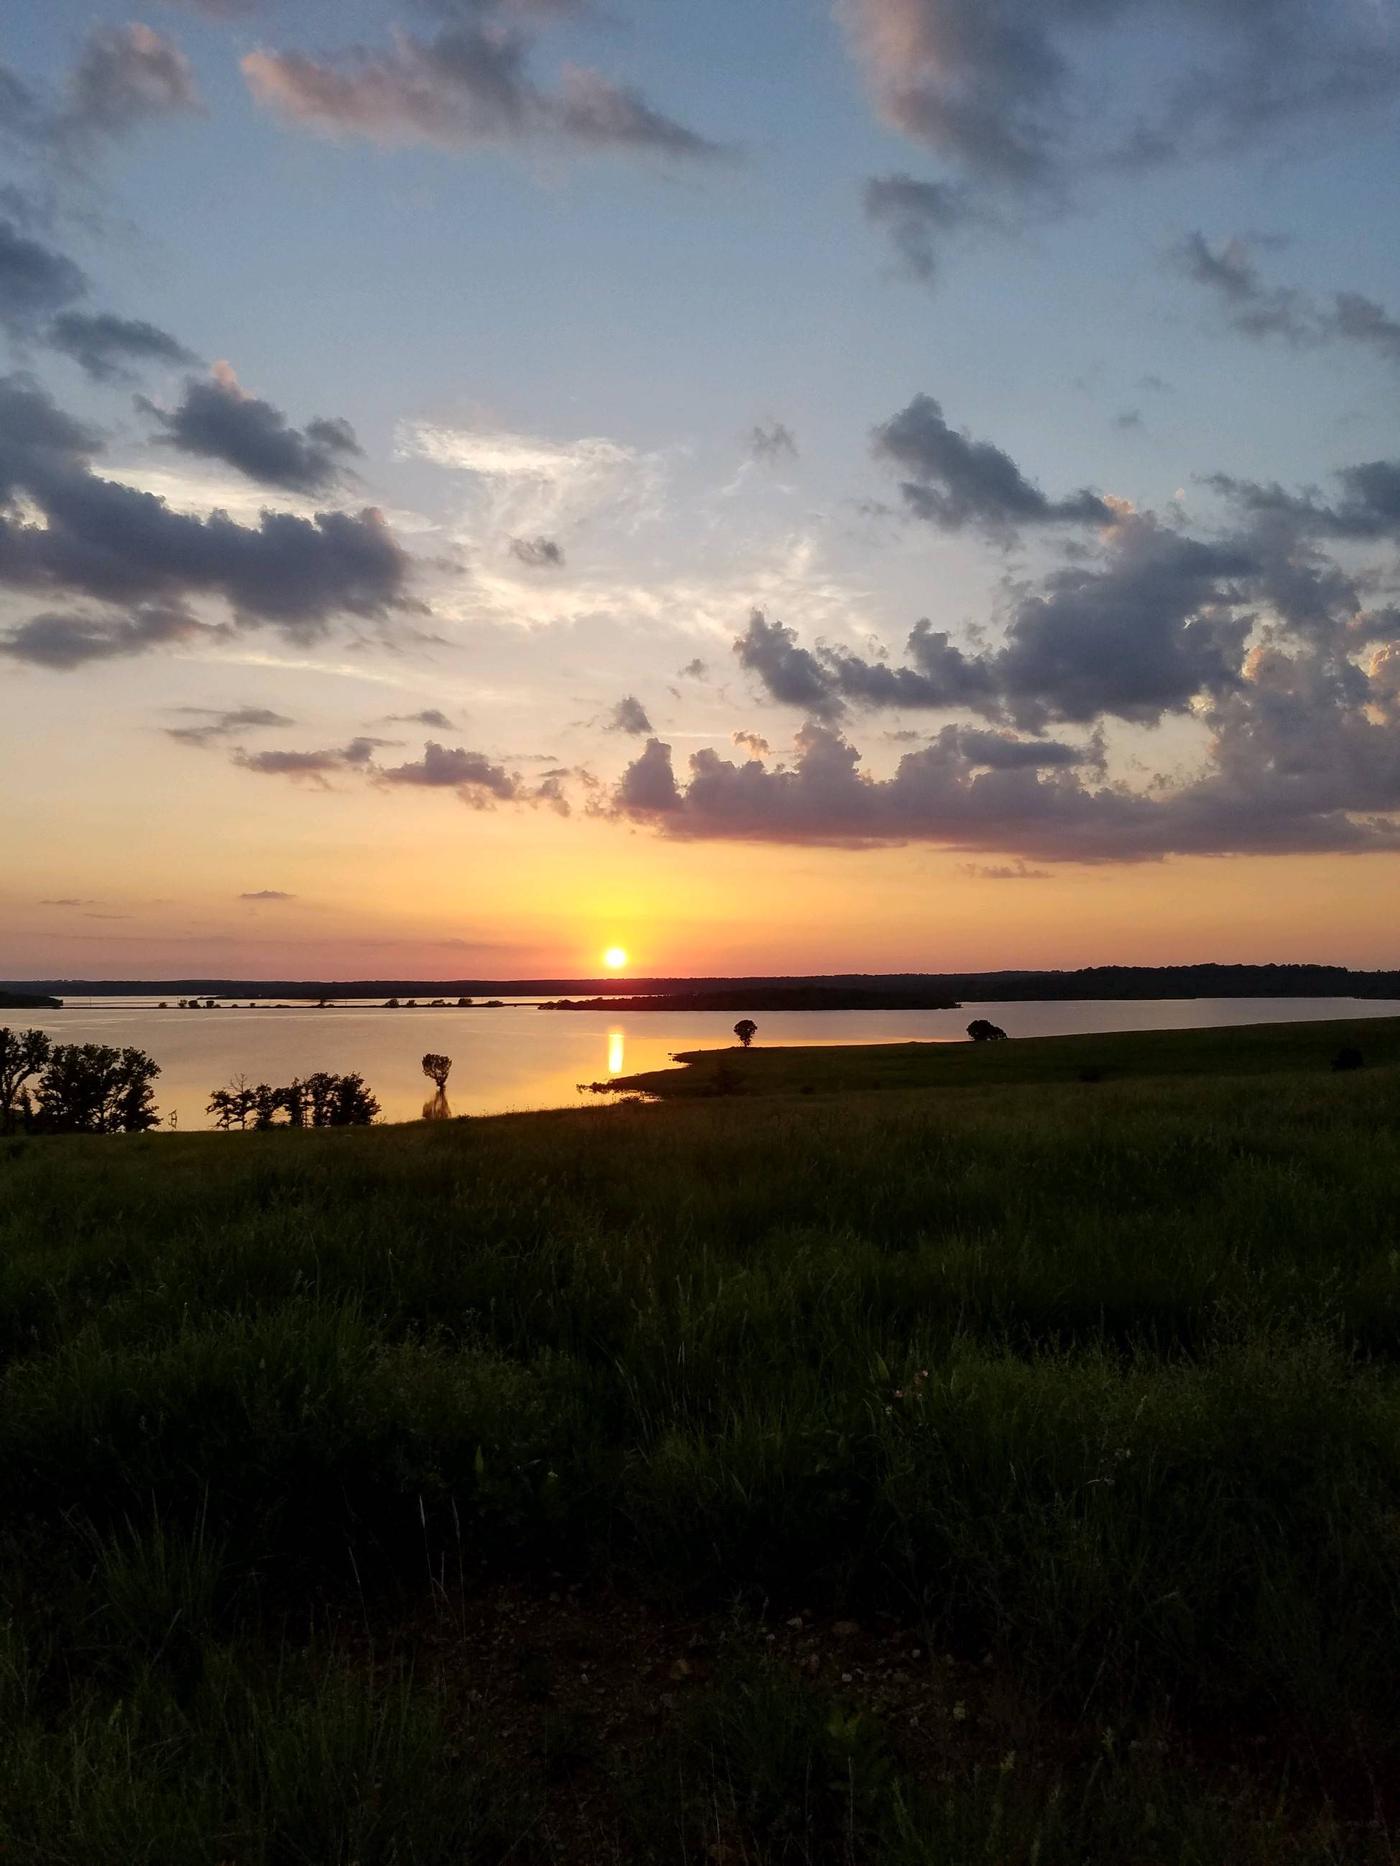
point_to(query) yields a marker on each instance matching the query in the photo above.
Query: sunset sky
(769, 484)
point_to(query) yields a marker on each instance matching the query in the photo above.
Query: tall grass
(1098, 1380)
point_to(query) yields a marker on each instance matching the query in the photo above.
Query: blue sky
(561, 333)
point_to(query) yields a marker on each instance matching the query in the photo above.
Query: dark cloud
(126, 76)
(315, 767)
(64, 642)
(954, 481)
(998, 87)
(939, 795)
(918, 216)
(218, 420)
(694, 670)
(109, 348)
(791, 673)
(1368, 507)
(771, 441)
(629, 715)
(35, 281)
(538, 553)
(107, 542)
(430, 716)
(267, 894)
(1259, 310)
(214, 724)
(467, 85)
(474, 776)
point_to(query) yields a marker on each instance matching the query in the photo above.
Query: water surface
(520, 1057)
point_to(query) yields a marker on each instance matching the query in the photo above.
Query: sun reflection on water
(616, 1051)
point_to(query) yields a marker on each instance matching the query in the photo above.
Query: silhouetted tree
(235, 1105)
(464, 1004)
(23, 1053)
(392, 1004)
(1348, 1058)
(746, 1030)
(90, 1089)
(438, 1068)
(983, 1032)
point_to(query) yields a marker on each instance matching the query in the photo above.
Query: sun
(615, 958)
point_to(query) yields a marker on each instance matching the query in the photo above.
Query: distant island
(857, 990)
(765, 998)
(27, 1001)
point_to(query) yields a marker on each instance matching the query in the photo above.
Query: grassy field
(1002, 1466)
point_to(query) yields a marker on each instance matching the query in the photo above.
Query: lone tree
(90, 1089)
(746, 1030)
(23, 1053)
(439, 1068)
(982, 1032)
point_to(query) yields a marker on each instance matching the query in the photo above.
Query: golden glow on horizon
(615, 958)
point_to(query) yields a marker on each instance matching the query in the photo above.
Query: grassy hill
(997, 1466)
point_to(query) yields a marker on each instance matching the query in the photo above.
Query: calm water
(520, 1057)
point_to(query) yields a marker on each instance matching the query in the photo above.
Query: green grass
(1092, 1386)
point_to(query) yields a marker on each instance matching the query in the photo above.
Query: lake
(519, 1057)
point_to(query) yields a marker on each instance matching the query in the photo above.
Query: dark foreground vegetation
(992, 1471)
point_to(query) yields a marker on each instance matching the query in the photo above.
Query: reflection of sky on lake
(519, 1057)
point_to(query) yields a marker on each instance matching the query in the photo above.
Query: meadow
(915, 1455)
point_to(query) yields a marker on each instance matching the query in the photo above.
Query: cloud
(1368, 507)
(1005, 871)
(538, 553)
(126, 76)
(629, 715)
(468, 85)
(35, 281)
(65, 529)
(752, 742)
(954, 481)
(109, 348)
(1260, 311)
(772, 441)
(474, 777)
(430, 716)
(790, 672)
(267, 894)
(219, 9)
(216, 724)
(65, 642)
(217, 419)
(1006, 90)
(315, 767)
(918, 216)
(694, 670)
(942, 796)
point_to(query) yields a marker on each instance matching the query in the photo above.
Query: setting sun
(615, 958)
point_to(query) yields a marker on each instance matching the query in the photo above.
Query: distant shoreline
(854, 990)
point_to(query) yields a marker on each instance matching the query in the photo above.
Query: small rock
(796, 1623)
(845, 1629)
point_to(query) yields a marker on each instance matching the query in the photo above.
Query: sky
(840, 485)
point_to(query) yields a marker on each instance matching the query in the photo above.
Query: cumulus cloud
(1230, 272)
(538, 553)
(629, 715)
(217, 419)
(790, 672)
(918, 216)
(953, 481)
(752, 742)
(469, 84)
(474, 776)
(213, 723)
(1002, 871)
(943, 796)
(1368, 507)
(64, 528)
